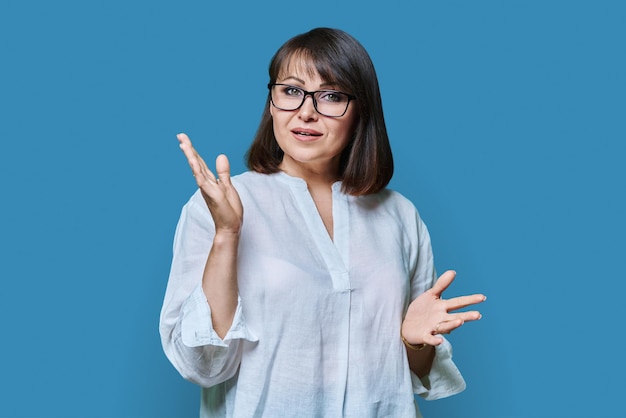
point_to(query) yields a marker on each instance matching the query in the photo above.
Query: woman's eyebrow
(326, 84)
(294, 78)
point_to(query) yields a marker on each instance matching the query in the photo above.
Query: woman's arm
(427, 317)
(189, 339)
(202, 324)
(219, 280)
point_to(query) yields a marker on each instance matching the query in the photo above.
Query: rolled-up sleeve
(197, 328)
(444, 378)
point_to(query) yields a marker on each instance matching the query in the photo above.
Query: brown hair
(366, 164)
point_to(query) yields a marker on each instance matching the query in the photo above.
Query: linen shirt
(316, 332)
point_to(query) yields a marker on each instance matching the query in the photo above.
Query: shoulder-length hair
(366, 164)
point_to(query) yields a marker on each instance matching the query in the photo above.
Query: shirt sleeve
(187, 335)
(444, 378)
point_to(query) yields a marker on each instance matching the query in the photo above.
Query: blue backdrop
(507, 123)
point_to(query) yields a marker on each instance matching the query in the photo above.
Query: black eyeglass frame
(312, 94)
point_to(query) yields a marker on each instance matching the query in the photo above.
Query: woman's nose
(307, 110)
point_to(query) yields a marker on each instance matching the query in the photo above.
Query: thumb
(443, 282)
(222, 166)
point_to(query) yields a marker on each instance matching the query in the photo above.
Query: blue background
(507, 124)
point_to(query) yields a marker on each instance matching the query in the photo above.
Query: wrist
(224, 240)
(227, 235)
(414, 347)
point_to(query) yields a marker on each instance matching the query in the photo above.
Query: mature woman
(304, 287)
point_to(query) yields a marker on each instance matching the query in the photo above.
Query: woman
(320, 299)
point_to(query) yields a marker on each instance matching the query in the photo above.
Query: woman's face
(310, 141)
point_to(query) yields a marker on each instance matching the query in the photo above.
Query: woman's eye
(292, 91)
(331, 96)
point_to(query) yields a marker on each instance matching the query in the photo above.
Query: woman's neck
(315, 175)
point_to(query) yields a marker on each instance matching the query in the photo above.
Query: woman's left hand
(429, 314)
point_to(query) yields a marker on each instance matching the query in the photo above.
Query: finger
(468, 316)
(443, 282)
(433, 340)
(198, 167)
(182, 137)
(185, 145)
(190, 153)
(201, 171)
(222, 166)
(445, 327)
(459, 302)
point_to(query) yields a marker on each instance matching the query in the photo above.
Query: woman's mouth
(306, 134)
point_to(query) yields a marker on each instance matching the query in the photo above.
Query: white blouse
(317, 328)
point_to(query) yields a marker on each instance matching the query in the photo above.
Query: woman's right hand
(219, 193)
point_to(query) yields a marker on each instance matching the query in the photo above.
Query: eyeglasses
(329, 103)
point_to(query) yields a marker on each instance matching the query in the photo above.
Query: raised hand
(219, 193)
(429, 314)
